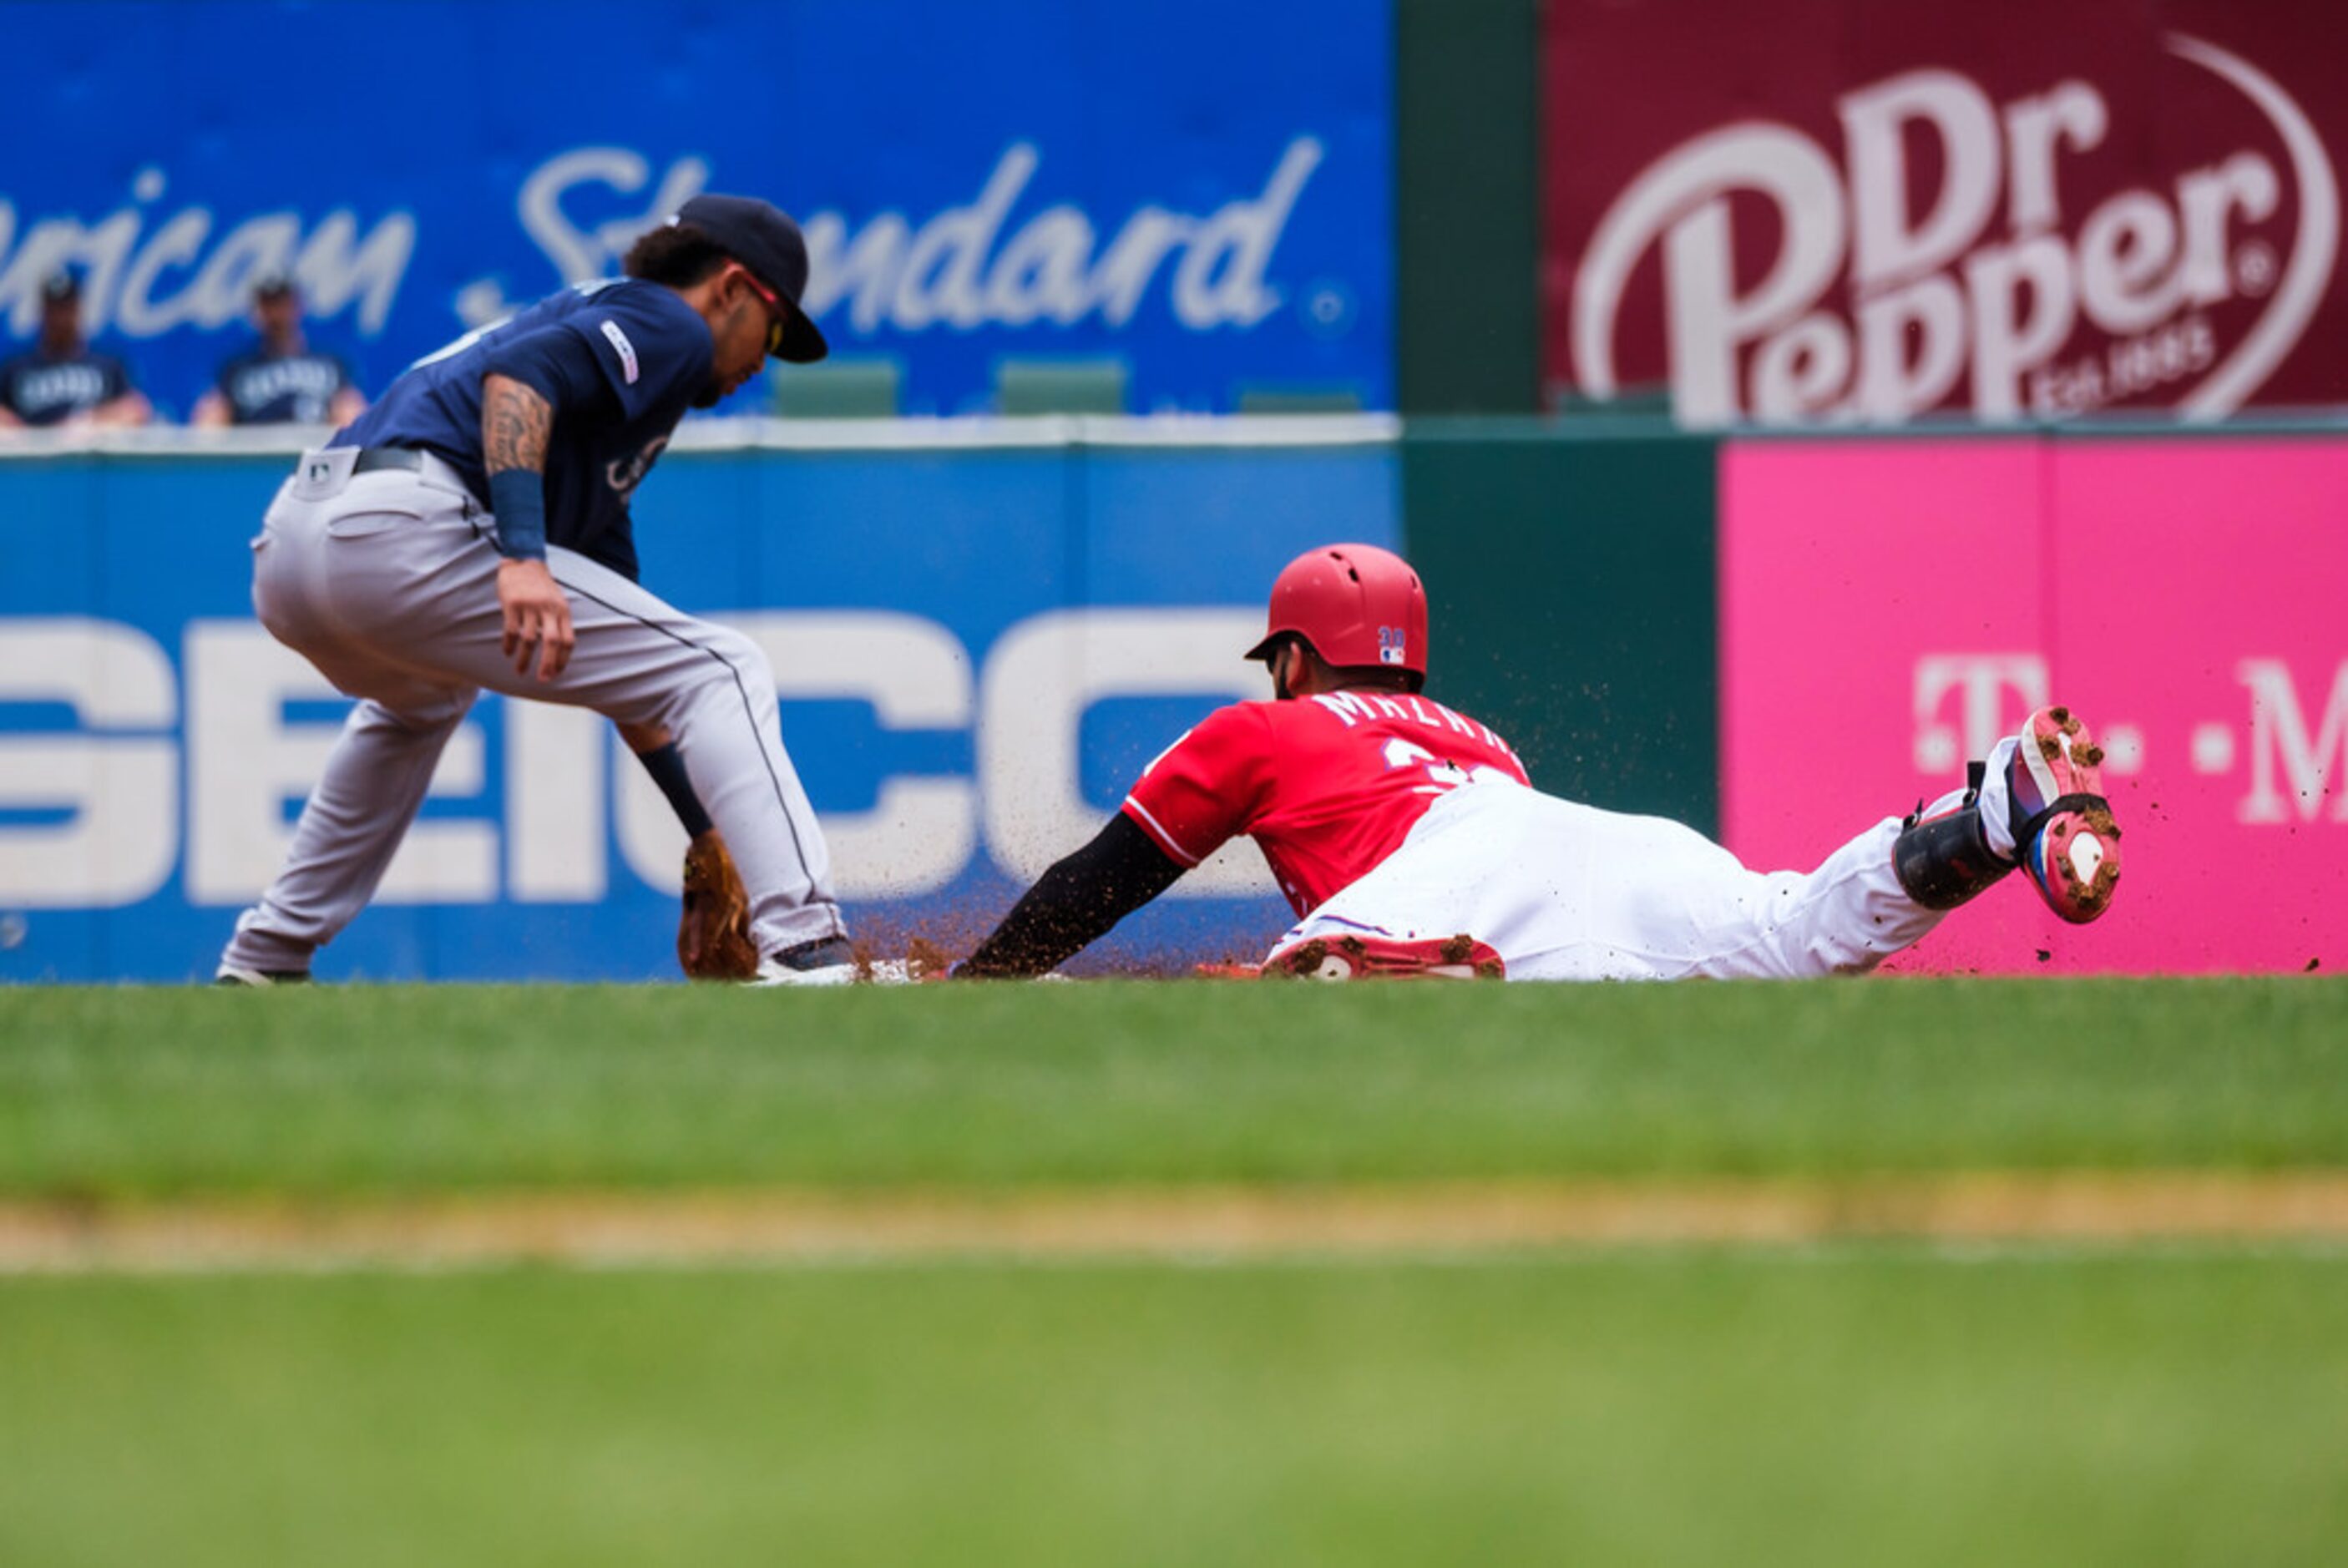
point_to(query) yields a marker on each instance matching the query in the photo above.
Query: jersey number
(1443, 775)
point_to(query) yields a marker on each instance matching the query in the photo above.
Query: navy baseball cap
(763, 238)
(60, 286)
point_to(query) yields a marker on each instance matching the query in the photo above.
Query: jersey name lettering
(1352, 707)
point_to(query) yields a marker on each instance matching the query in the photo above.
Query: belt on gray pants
(373, 458)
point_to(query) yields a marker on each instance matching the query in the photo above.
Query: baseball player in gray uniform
(472, 530)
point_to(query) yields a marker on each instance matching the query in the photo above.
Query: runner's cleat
(1458, 957)
(2064, 834)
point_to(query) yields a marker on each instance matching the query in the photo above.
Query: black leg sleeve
(1075, 903)
(666, 765)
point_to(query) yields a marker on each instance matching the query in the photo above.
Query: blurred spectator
(281, 379)
(59, 382)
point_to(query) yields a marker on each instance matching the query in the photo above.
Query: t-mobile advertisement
(1832, 211)
(1890, 609)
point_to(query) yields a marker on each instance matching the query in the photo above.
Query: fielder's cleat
(229, 975)
(1460, 957)
(2064, 834)
(826, 961)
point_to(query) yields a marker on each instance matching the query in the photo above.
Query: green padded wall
(1570, 571)
(1467, 326)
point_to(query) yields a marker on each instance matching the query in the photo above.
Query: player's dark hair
(1373, 678)
(677, 254)
(1382, 677)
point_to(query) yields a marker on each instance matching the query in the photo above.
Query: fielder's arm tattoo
(516, 424)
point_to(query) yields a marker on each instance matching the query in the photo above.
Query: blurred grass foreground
(2165, 1398)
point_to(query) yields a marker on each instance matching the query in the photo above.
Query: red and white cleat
(2064, 834)
(1458, 957)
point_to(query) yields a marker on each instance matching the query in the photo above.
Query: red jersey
(1328, 785)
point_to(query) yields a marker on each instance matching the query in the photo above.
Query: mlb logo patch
(1392, 646)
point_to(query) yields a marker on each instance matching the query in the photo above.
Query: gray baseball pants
(387, 581)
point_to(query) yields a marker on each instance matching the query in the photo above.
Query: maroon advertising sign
(1839, 211)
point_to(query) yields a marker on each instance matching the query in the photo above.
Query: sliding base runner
(1409, 840)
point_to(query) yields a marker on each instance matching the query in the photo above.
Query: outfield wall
(982, 630)
(1889, 609)
(1779, 639)
(981, 634)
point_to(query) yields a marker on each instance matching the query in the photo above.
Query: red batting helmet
(1355, 603)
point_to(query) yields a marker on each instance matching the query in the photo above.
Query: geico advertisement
(154, 751)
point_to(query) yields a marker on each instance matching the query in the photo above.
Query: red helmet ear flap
(1354, 604)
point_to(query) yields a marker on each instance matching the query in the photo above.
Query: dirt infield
(622, 1230)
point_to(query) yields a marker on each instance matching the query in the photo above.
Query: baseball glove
(713, 939)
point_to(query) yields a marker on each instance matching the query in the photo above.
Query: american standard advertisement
(1206, 220)
(1840, 213)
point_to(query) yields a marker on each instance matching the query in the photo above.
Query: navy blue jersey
(656, 355)
(263, 389)
(44, 391)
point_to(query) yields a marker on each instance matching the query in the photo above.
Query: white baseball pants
(387, 581)
(1567, 892)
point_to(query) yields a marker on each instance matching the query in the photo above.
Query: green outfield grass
(157, 1092)
(1853, 1407)
(1860, 1405)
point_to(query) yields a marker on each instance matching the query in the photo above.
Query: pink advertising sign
(1889, 608)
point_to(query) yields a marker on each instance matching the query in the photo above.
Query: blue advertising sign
(978, 646)
(1196, 191)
